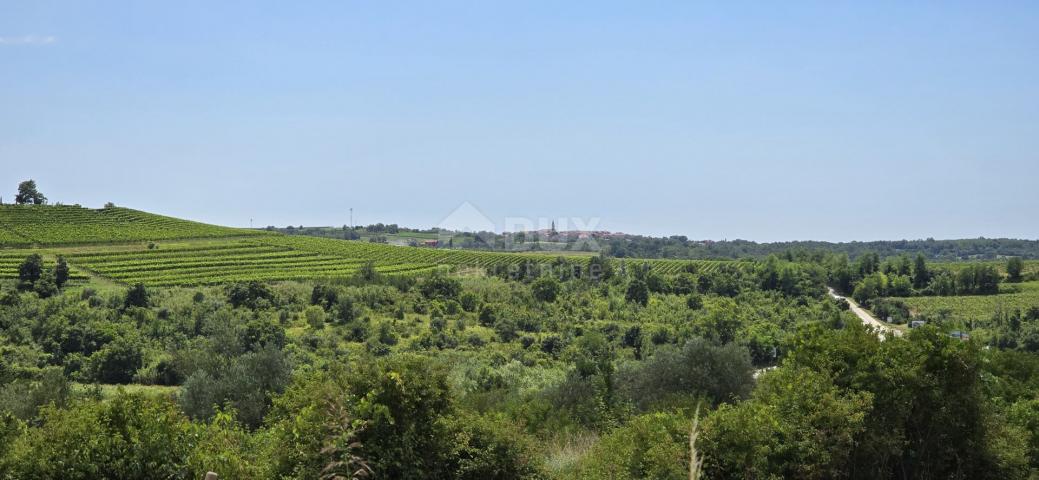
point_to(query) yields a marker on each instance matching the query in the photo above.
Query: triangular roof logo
(467, 218)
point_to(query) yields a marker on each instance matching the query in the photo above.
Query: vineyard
(232, 261)
(10, 239)
(392, 254)
(276, 257)
(71, 225)
(197, 254)
(1020, 296)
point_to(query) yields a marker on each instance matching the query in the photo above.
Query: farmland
(73, 225)
(382, 253)
(120, 244)
(279, 257)
(11, 259)
(226, 262)
(967, 308)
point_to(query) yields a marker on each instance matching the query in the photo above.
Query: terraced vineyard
(226, 262)
(11, 239)
(393, 254)
(71, 225)
(213, 254)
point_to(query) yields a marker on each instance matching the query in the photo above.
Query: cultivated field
(129, 246)
(21, 225)
(977, 307)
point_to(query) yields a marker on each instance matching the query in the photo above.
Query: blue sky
(765, 120)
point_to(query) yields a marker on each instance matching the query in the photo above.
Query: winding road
(882, 328)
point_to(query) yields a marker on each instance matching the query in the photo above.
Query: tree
(27, 194)
(136, 296)
(46, 286)
(700, 368)
(117, 361)
(798, 424)
(545, 289)
(31, 269)
(1014, 268)
(61, 272)
(637, 292)
(921, 277)
(367, 273)
(251, 294)
(441, 286)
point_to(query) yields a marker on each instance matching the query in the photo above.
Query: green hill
(129, 246)
(73, 225)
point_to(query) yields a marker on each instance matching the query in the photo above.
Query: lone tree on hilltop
(28, 194)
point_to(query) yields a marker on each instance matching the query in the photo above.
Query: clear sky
(757, 120)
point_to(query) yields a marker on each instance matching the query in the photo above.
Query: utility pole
(250, 223)
(351, 218)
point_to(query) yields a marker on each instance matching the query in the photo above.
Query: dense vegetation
(962, 249)
(278, 356)
(676, 246)
(549, 373)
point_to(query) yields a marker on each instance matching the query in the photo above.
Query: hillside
(129, 246)
(22, 225)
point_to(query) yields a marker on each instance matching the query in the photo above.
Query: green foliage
(797, 425)
(637, 292)
(699, 369)
(69, 225)
(31, 269)
(649, 446)
(545, 289)
(129, 436)
(252, 294)
(136, 296)
(488, 447)
(61, 272)
(245, 383)
(117, 361)
(440, 287)
(28, 194)
(1015, 266)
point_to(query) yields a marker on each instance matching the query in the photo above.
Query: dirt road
(882, 328)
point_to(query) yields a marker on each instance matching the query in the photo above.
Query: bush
(721, 373)
(491, 448)
(250, 294)
(545, 289)
(136, 296)
(129, 436)
(440, 286)
(117, 361)
(649, 446)
(245, 383)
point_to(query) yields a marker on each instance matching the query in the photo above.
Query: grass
(108, 391)
(567, 449)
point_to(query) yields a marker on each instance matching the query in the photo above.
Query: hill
(22, 225)
(129, 246)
